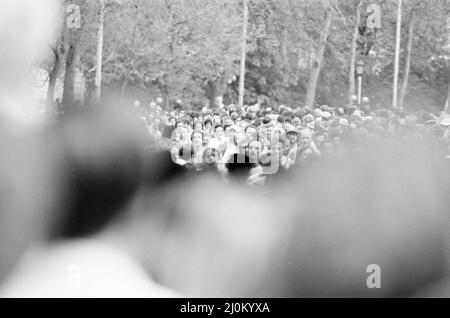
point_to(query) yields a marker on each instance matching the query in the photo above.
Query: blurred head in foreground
(387, 207)
(128, 213)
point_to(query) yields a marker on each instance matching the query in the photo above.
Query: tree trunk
(210, 92)
(317, 65)
(243, 55)
(215, 89)
(69, 78)
(52, 79)
(408, 61)
(90, 92)
(99, 60)
(398, 34)
(351, 75)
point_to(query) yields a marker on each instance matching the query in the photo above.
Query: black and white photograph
(225, 153)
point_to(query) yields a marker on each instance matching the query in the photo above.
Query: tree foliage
(190, 49)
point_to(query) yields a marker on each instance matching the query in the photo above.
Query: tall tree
(72, 62)
(318, 61)
(409, 46)
(397, 53)
(58, 51)
(99, 55)
(78, 43)
(351, 75)
(243, 53)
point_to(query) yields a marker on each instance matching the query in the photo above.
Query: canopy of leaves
(177, 48)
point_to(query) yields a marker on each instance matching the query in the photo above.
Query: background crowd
(258, 142)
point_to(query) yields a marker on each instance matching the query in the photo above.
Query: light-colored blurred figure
(27, 28)
(224, 241)
(26, 178)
